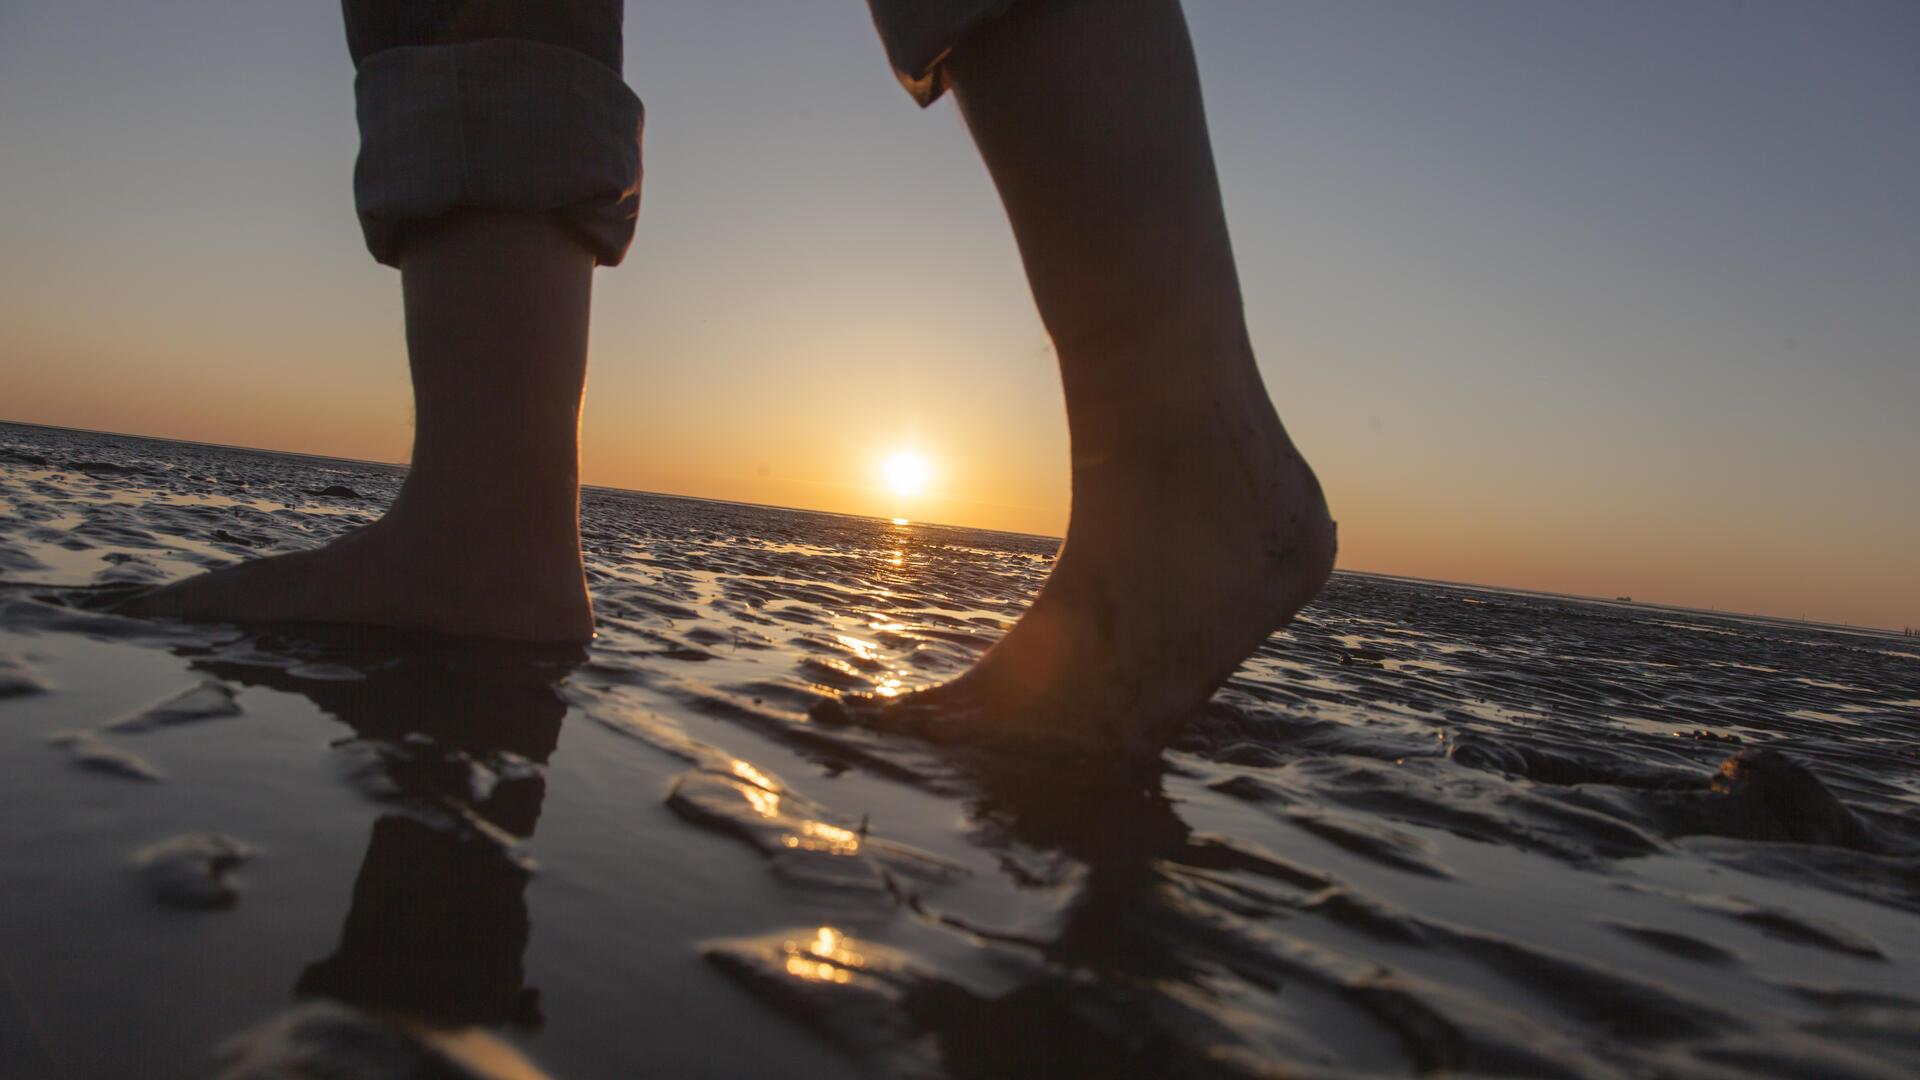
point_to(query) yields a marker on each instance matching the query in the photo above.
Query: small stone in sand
(325, 1040)
(18, 679)
(190, 870)
(335, 491)
(212, 698)
(92, 752)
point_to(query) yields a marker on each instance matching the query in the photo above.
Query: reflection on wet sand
(436, 933)
(456, 737)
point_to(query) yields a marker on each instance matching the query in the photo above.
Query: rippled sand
(1426, 828)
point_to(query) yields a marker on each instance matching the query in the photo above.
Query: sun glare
(906, 472)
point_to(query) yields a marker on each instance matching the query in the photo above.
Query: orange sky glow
(1550, 301)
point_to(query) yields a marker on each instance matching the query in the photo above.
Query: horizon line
(1890, 631)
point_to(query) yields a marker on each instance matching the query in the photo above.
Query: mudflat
(1425, 827)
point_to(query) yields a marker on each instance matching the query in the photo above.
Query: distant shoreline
(1511, 590)
(1643, 605)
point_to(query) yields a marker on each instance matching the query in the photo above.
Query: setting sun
(906, 472)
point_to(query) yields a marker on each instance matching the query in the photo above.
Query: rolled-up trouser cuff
(504, 124)
(919, 35)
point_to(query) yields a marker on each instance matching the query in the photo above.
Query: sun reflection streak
(751, 775)
(820, 836)
(816, 971)
(764, 801)
(865, 650)
(826, 958)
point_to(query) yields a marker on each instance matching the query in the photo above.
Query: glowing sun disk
(906, 472)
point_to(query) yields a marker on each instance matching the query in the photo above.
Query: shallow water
(1426, 827)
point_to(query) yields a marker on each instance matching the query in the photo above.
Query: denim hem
(502, 123)
(920, 34)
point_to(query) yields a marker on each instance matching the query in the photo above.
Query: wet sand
(1425, 828)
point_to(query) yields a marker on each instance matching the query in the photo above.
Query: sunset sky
(1606, 298)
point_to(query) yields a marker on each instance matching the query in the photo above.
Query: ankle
(506, 535)
(1175, 437)
(1152, 323)
(529, 498)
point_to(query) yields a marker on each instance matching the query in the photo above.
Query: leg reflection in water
(457, 740)
(436, 933)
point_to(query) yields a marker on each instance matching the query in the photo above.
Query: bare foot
(1176, 566)
(484, 538)
(413, 568)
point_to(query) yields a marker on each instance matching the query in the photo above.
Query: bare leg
(1196, 527)
(484, 538)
